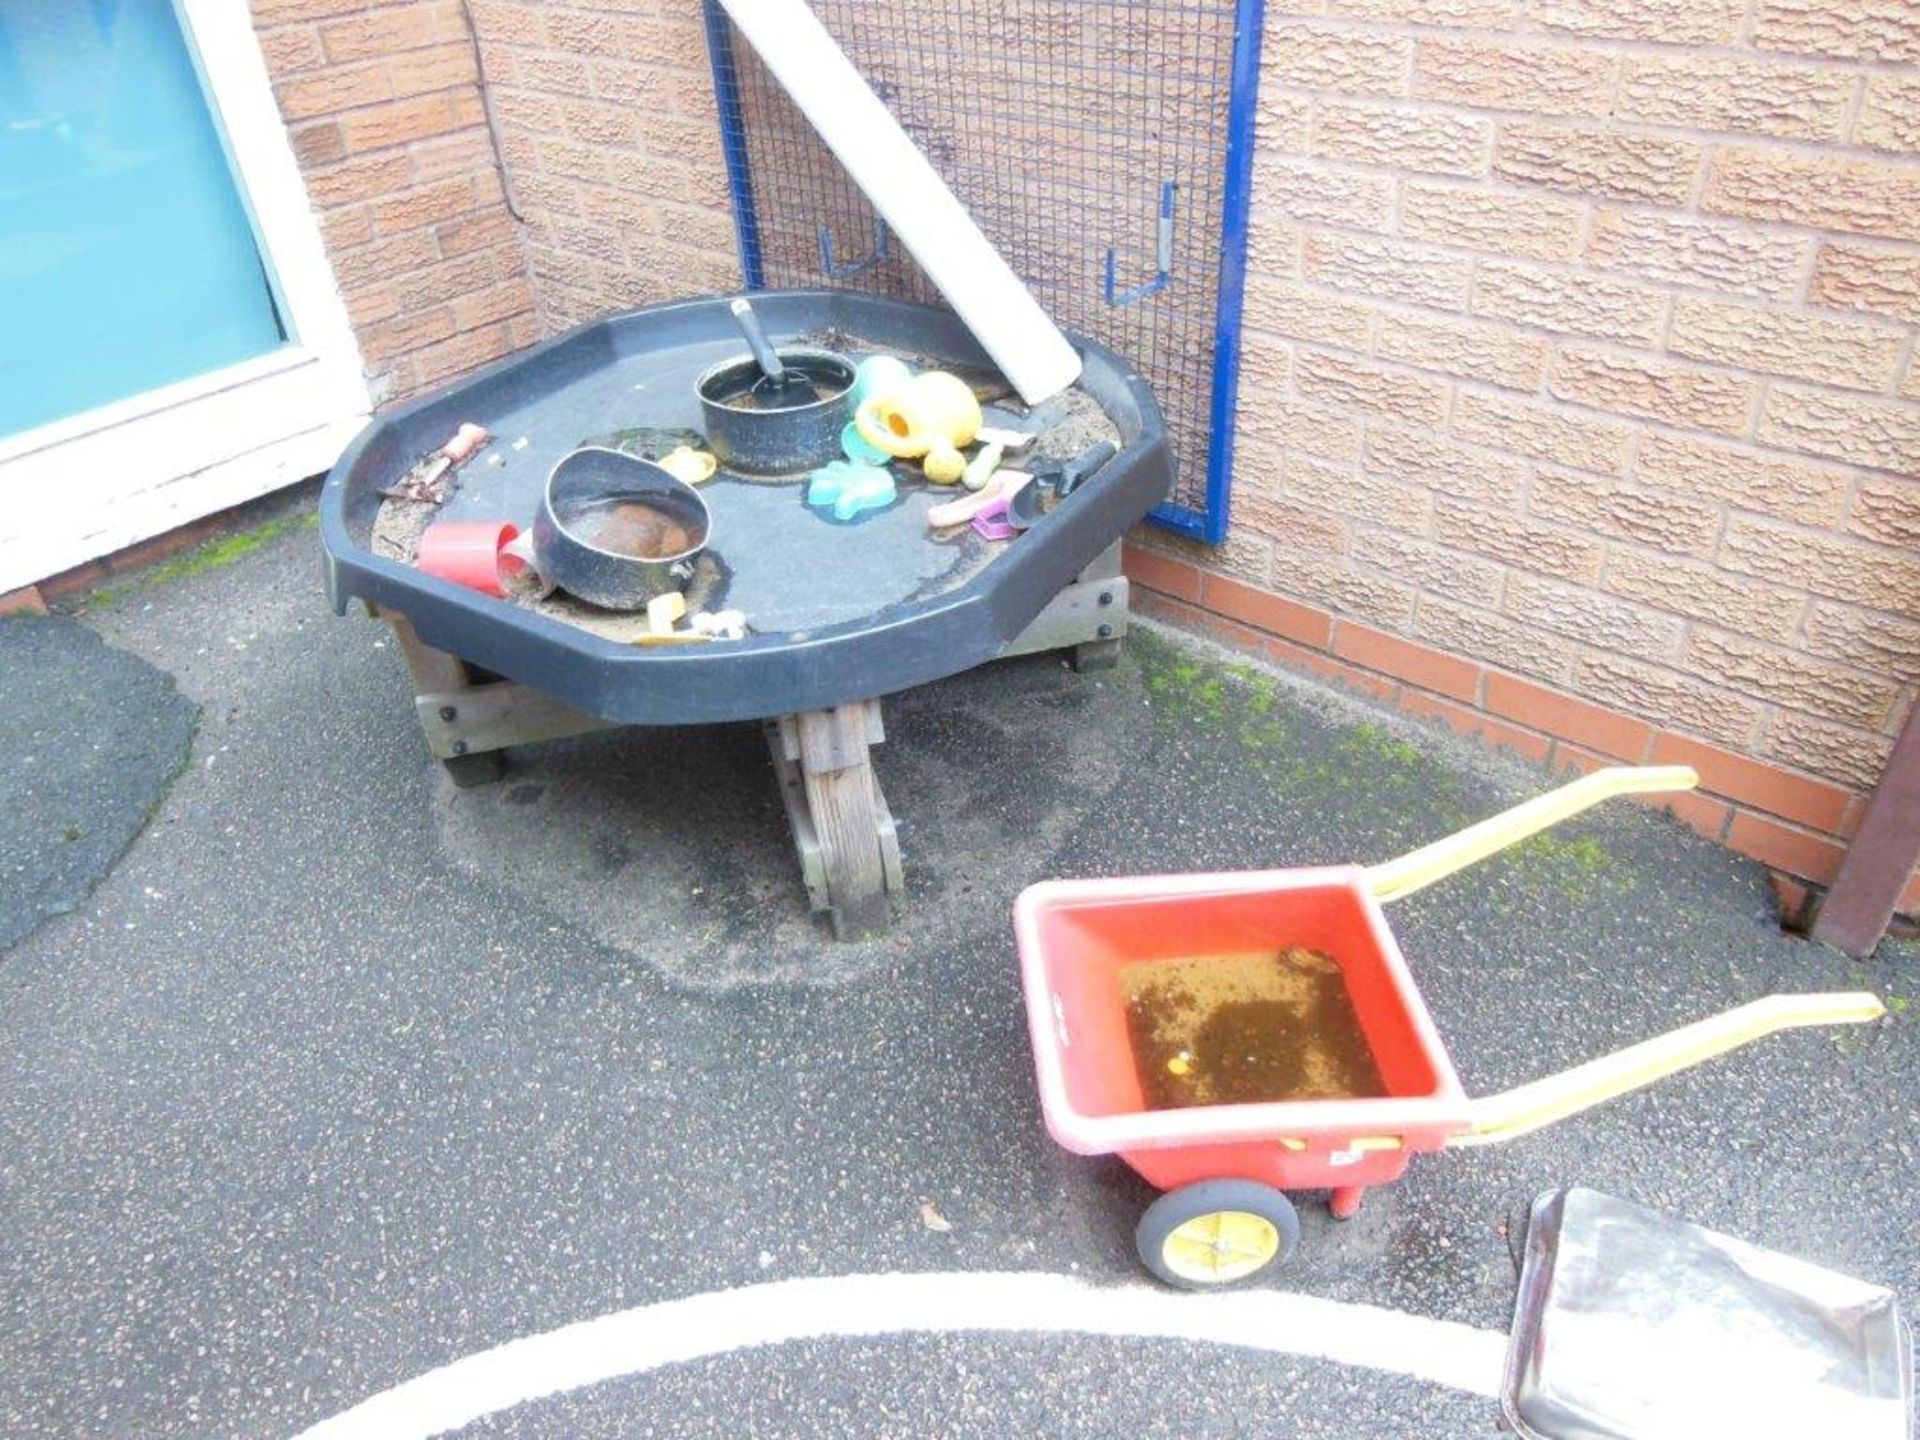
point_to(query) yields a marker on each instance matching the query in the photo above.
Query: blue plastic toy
(859, 449)
(849, 488)
(876, 375)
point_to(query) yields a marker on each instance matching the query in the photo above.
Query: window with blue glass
(127, 257)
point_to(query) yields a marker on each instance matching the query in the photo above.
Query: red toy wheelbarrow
(1223, 1167)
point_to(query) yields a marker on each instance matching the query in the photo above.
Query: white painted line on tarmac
(648, 1337)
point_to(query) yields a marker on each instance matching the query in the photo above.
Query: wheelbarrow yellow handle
(1416, 871)
(1528, 1107)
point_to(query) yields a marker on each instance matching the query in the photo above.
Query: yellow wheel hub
(1221, 1246)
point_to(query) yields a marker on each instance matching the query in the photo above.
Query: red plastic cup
(467, 552)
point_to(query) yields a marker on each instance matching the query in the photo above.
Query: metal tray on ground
(1634, 1326)
(839, 612)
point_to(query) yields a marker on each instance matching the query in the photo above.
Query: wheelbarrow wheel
(1216, 1233)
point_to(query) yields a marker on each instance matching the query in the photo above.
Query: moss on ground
(1893, 973)
(1579, 868)
(220, 551)
(1414, 795)
(1306, 753)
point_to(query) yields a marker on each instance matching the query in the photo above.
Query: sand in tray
(1245, 1028)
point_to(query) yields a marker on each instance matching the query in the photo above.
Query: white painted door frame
(93, 483)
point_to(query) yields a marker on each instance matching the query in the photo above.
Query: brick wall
(607, 121)
(1581, 409)
(386, 119)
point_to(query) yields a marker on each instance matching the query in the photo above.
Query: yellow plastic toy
(944, 465)
(688, 464)
(934, 415)
(665, 611)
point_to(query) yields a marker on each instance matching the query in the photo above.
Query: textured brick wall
(1581, 342)
(387, 122)
(612, 142)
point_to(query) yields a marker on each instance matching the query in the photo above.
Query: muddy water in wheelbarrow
(1233, 1029)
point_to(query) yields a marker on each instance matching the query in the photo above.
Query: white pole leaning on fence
(917, 205)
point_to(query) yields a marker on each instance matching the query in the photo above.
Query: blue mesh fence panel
(1104, 146)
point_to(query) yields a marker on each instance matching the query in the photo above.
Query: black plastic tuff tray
(839, 611)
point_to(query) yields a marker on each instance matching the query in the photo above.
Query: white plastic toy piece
(910, 195)
(664, 611)
(726, 625)
(1005, 439)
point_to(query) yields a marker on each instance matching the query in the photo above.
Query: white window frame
(97, 482)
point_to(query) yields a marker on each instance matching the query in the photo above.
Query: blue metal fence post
(733, 144)
(1235, 216)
